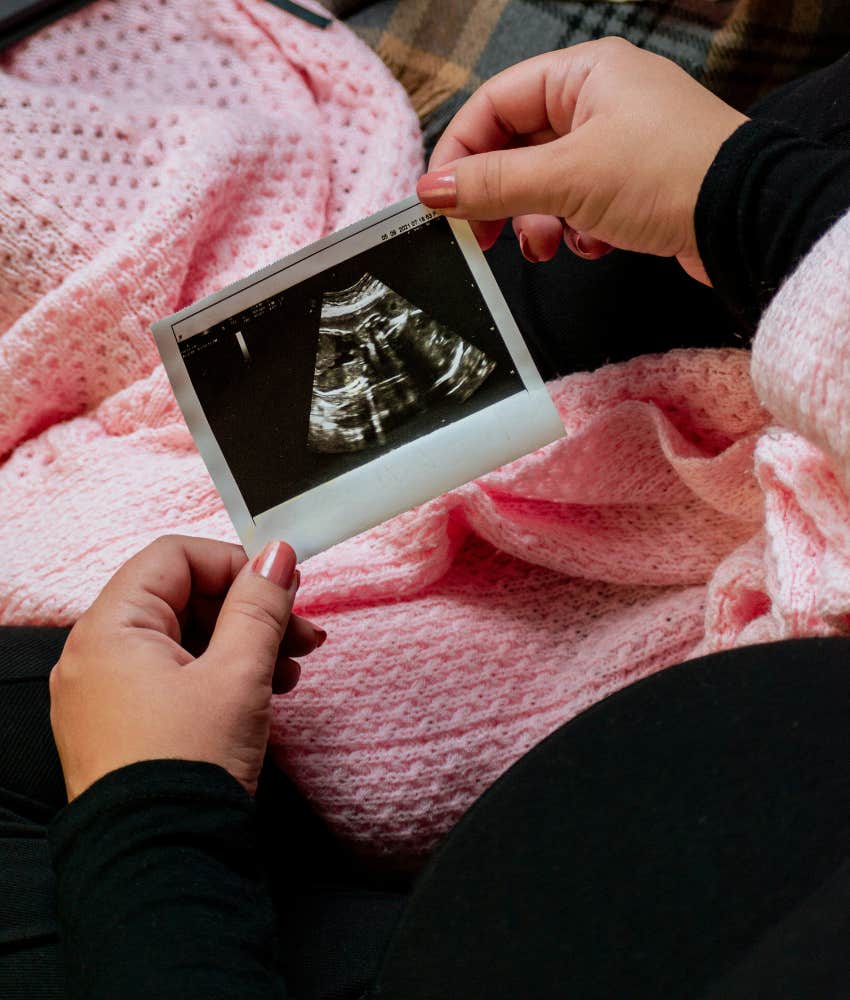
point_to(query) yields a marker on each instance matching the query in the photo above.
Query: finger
(535, 96)
(538, 138)
(525, 181)
(539, 236)
(286, 675)
(198, 622)
(154, 588)
(256, 611)
(584, 246)
(486, 233)
(302, 637)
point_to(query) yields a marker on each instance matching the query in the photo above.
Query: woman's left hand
(178, 657)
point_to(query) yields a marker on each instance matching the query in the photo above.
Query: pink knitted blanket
(155, 151)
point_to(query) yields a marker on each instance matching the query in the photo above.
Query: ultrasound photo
(355, 379)
(380, 359)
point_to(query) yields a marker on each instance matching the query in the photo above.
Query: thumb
(255, 613)
(529, 180)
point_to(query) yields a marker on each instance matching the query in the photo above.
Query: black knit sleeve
(770, 194)
(160, 893)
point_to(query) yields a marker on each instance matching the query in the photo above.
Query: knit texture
(153, 152)
(677, 515)
(462, 633)
(675, 518)
(794, 577)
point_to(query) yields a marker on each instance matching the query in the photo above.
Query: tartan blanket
(741, 49)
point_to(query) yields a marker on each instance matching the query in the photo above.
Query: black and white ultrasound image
(342, 368)
(380, 359)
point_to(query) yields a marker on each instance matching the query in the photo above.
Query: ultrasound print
(354, 362)
(380, 360)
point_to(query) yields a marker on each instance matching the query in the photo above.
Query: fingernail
(437, 190)
(523, 245)
(579, 244)
(321, 635)
(277, 563)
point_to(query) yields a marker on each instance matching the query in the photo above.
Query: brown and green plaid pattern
(442, 50)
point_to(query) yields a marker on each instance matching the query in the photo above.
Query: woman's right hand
(178, 658)
(603, 143)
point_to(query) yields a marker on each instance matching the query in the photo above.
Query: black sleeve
(770, 194)
(160, 892)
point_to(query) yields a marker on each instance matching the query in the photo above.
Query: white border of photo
(396, 480)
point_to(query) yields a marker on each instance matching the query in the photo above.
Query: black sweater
(159, 887)
(770, 194)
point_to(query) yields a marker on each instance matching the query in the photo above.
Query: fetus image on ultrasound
(380, 360)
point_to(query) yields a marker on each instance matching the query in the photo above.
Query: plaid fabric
(741, 49)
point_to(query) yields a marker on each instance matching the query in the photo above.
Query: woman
(686, 837)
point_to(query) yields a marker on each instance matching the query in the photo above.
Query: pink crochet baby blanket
(154, 152)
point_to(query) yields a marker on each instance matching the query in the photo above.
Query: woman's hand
(178, 657)
(603, 143)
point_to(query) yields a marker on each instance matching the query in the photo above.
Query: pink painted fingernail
(277, 563)
(594, 250)
(523, 245)
(438, 190)
(321, 635)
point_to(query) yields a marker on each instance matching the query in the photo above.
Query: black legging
(687, 837)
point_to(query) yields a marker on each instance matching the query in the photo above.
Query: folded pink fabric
(154, 152)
